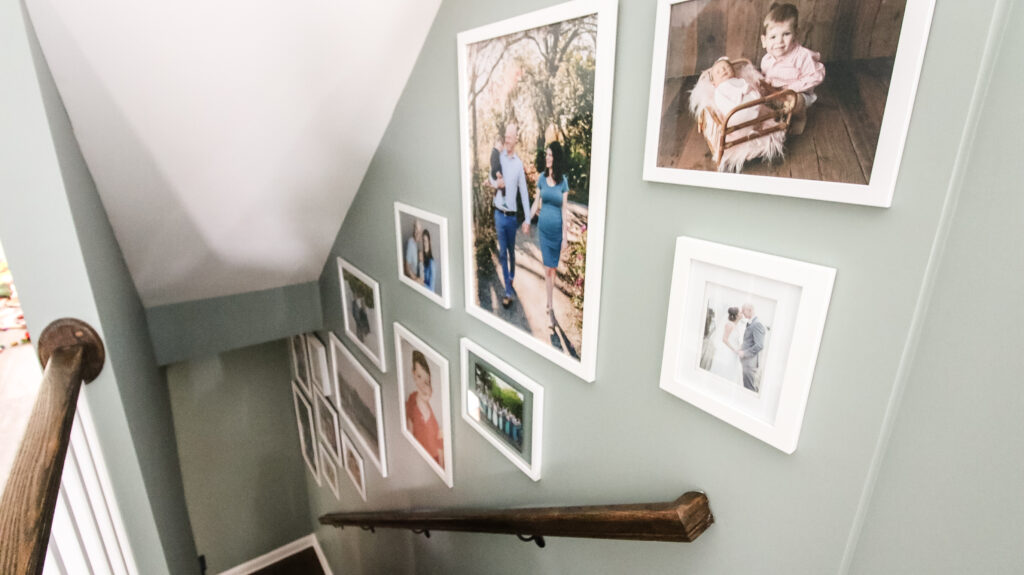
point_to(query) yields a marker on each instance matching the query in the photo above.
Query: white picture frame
(774, 354)
(319, 371)
(300, 361)
(305, 420)
(358, 399)
(328, 428)
(879, 167)
(436, 228)
(410, 375)
(329, 470)
(354, 467)
(364, 325)
(523, 449)
(570, 340)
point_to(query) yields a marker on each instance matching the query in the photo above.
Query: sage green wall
(60, 244)
(621, 439)
(240, 457)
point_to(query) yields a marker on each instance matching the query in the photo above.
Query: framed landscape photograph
(358, 398)
(327, 427)
(307, 433)
(504, 406)
(300, 361)
(354, 465)
(809, 99)
(535, 97)
(319, 371)
(742, 336)
(421, 239)
(425, 401)
(330, 470)
(360, 304)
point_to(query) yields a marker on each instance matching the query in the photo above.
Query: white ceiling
(228, 138)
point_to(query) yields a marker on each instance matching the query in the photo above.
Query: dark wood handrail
(70, 351)
(681, 520)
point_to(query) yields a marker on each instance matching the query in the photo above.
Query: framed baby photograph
(327, 426)
(329, 470)
(319, 371)
(300, 361)
(742, 336)
(353, 463)
(504, 406)
(358, 399)
(535, 94)
(421, 241)
(811, 100)
(307, 432)
(425, 401)
(360, 304)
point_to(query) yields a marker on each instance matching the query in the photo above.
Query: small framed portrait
(327, 427)
(329, 470)
(742, 336)
(535, 95)
(803, 99)
(307, 432)
(360, 304)
(504, 406)
(425, 400)
(300, 361)
(319, 371)
(358, 399)
(353, 465)
(421, 239)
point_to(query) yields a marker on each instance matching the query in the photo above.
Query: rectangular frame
(302, 404)
(775, 416)
(446, 473)
(532, 469)
(895, 123)
(319, 370)
(351, 455)
(440, 244)
(320, 405)
(376, 322)
(329, 470)
(340, 353)
(299, 355)
(583, 365)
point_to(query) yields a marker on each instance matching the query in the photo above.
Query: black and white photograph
(358, 398)
(360, 304)
(421, 239)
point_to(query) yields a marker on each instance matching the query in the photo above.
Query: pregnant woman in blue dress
(552, 196)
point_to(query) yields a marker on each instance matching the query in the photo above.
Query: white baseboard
(280, 553)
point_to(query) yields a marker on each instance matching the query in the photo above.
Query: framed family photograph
(504, 406)
(810, 99)
(300, 361)
(329, 470)
(742, 336)
(535, 97)
(307, 432)
(353, 463)
(319, 372)
(425, 401)
(360, 304)
(358, 399)
(421, 239)
(327, 426)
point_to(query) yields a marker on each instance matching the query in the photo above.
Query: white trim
(314, 466)
(318, 368)
(348, 446)
(444, 298)
(287, 550)
(380, 458)
(327, 462)
(378, 314)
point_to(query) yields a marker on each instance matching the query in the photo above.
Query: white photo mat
(339, 353)
(329, 470)
(353, 464)
(326, 429)
(439, 247)
(300, 361)
(318, 368)
(375, 319)
(307, 433)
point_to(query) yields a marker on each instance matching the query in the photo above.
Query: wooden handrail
(70, 351)
(681, 520)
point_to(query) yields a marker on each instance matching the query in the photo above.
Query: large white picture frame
(361, 310)
(433, 283)
(358, 399)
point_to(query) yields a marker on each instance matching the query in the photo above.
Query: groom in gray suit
(750, 350)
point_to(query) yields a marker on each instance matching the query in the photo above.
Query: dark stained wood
(711, 32)
(886, 33)
(863, 27)
(681, 520)
(819, 35)
(743, 39)
(861, 101)
(837, 157)
(66, 332)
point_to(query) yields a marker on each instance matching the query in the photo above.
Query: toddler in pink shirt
(787, 65)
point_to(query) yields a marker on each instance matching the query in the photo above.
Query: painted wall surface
(621, 439)
(240, 456)
(68, 264)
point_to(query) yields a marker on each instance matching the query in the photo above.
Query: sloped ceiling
(227, 139)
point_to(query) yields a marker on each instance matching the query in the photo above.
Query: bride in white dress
(726, 362)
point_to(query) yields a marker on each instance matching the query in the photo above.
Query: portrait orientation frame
(444, 298)
(347, 447)
(531, 468)
(895, 119)
(329, 470)
(299, 354)
(376, 320)
(301, 403)
(801, 293)
(319, 370)
(606, 12)
(341, 353)
(321, 404)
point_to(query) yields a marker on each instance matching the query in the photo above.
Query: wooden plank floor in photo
(838, 144)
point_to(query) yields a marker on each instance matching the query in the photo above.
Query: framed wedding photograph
(307, 434)
(504, 406)
(300, 361)
(535, 96)
(358, 399)
(330, 470)
(421, 240)
(804, 99)
(354, 465)
(319, 372)
(360, 304)
(425, 401)
(327, 426)
(742, 336)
